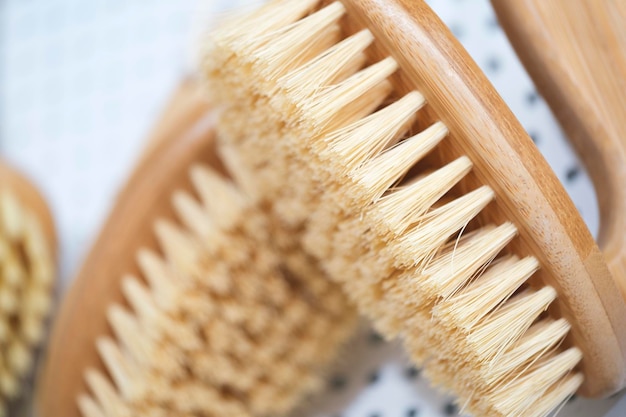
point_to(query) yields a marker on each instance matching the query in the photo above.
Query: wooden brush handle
(183, 136)
(575, 51)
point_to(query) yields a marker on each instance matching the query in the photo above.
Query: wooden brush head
(181, 140)
(191, 301)
(527, 191)
(409, 37)
(27, 279)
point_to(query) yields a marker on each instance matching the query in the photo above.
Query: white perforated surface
(81, 82)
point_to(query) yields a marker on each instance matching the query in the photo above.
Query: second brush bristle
(351, 172)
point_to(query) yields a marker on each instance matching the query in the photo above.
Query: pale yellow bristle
(139, 346)
(319, 147)
(26, 276)
(446, 275)
(216, 327)
(298, 43)
(539, 340)
(162, 280)
(518, 396)
(9, 384)
(11, 216)
(89, 408)
(108, 398)
(396, 211)
(19, 357)
(468, 307)
(557, 395)
(194, 217)
(507, 324)
(434, 228)
(123, 373)
(272, 15)
(360, 142)
(179, 248)
(327, 68)
(221, 200)
(336, 103)
(377, 175)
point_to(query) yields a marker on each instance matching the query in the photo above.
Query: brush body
(27, 275)
(191, 303)
(382, 148)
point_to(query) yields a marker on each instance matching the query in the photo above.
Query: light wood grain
(575, 52)
(184, 136)
(528, 192)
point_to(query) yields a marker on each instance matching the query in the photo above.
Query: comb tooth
(108, 398)
(357, 143)
(450, 272)
(377, 175)
(467, 308)
(435, 227)
(220, 198)
(179, 248)
(161, 279)
(534, 383)
(298, 43)
(88, 407)
(120, 369)
(194, 217)
(396, 212)
(506, 325)
(329, 102)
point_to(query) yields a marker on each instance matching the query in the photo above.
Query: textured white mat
(81, 82)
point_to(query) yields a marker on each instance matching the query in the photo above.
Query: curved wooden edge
(576, 55)
(528, 193)
(181, 140)
(30, 197)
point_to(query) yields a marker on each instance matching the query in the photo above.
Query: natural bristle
(26, 278)
(349, 173)
(225, 318)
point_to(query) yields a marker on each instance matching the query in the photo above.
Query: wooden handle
(575, 51)
(183, 136)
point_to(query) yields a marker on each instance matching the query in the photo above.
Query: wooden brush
(381, 147)
(27, 274)
(191, 303)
